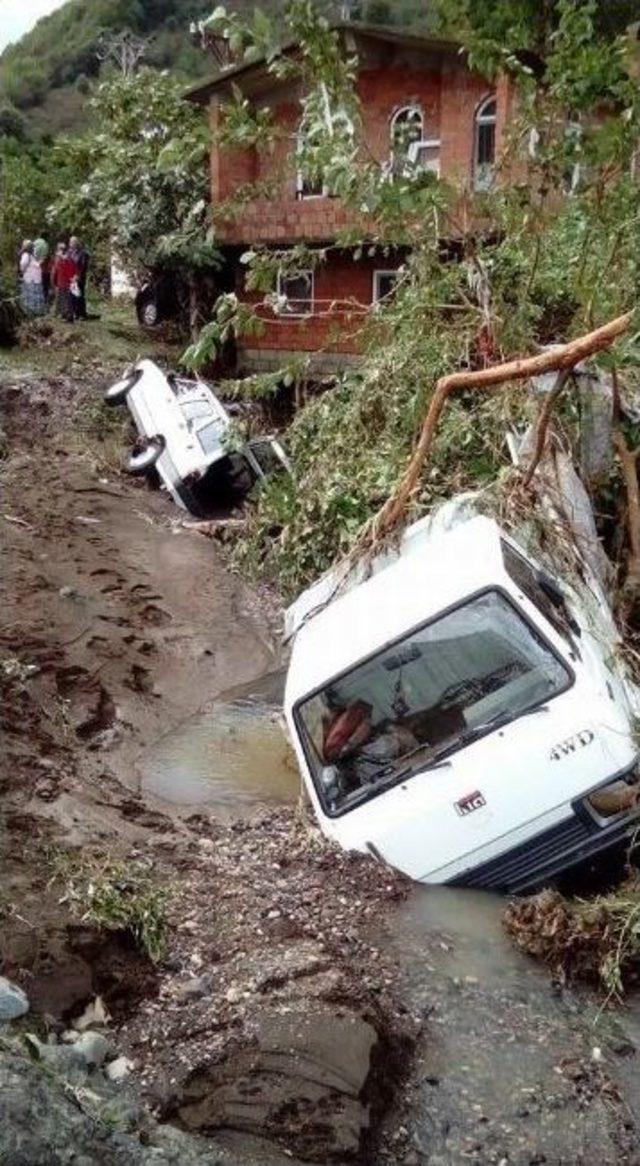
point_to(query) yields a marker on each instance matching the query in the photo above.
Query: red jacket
(63, 272)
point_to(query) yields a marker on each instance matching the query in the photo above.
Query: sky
(18, 16)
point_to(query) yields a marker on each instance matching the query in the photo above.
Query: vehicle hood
(526, 773)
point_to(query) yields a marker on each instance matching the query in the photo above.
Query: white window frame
(411, 107)
(285, 275)
(377, 274)
(413, 156)
(480, 118)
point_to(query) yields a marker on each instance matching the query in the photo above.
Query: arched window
(484, 144)
(407, 128)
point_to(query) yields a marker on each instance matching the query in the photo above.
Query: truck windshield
(426, 696)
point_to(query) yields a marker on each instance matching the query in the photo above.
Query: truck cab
(460, 715)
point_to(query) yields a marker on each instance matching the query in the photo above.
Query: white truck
(184, 435)
(456, 714)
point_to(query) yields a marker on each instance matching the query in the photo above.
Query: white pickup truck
(184, 434)
(456, 715)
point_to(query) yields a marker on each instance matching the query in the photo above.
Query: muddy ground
(297, 1013)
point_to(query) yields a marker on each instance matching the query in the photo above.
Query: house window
(295, 292)
(407, 128)
(424, 157)
(384, 283)
(484, 151)
(573, 141)
(307, 185)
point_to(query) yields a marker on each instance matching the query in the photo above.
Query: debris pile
(596, 940)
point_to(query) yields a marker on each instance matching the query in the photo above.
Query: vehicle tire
(145, 460)
(116, 394)
(149, 314)
(190, 499)
(241, 478)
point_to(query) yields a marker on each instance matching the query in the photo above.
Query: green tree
(145, 184)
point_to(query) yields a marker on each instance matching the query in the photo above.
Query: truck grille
(538, 860)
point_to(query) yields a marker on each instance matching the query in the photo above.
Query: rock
(13, 1001)
(119, 1069)
(194, 988)
(93, 1046)
(67, 593)
(42, 1120)
(62, 1058)
(94, 1013)
(304, 1073)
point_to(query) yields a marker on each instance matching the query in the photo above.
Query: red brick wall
(343, 287)
(449, 95)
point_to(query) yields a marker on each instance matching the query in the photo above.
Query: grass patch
(596, 940)
(50, 346)
(115, 895)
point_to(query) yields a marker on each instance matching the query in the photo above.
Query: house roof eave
(222, 81)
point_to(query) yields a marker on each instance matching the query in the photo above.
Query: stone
(13, 1001)
(93, 1046)
(194, 988)
(304, 1073)
(119, 1069)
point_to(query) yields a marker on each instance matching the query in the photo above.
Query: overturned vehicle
(184, 434)
(455, 712)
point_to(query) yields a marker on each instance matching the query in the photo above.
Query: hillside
(46, 75)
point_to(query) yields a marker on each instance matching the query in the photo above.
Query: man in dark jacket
(80, 257)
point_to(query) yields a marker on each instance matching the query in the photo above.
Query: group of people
(61, 278)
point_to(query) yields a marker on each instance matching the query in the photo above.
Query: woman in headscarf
(31, 289)
(41, 252)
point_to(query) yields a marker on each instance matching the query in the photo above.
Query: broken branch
(629, 464)
(563, 356)
(543, 423)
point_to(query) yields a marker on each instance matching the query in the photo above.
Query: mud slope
(269, 1025)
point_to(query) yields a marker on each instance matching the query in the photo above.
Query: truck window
(523, 575)
(425, 697)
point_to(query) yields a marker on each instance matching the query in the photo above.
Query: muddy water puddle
(228, 758)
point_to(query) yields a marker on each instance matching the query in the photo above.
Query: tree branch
(629, 464)
(563, 356)
(543, 423)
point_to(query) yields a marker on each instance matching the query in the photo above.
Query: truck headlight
(618, 797)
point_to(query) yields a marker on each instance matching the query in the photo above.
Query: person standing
(80, 257)
(41, 253)
(63, 273)
(31, 289)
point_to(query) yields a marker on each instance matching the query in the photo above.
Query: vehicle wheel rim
(146, 458)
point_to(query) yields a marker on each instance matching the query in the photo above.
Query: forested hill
(45, 77)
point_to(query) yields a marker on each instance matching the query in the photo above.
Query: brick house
(420, 102)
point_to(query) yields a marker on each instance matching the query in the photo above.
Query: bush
(10, 313)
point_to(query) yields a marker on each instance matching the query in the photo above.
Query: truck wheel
(190, 499)
(149, 314)
(142, 462)
(117, 394)
(240, 475)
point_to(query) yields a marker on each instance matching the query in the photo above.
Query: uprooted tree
(560, 261)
